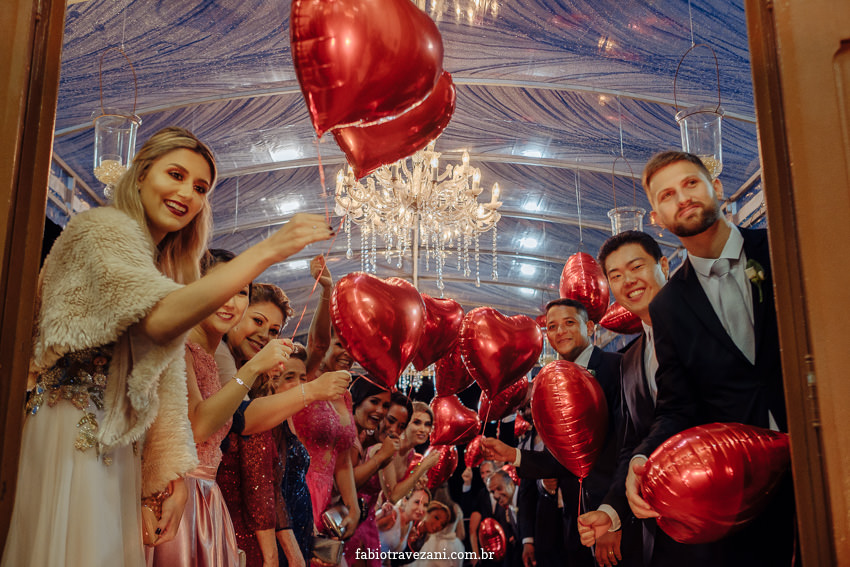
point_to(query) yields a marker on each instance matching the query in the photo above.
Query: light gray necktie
(733, 309)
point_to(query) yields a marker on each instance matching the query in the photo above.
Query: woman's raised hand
(319, 270)
(302, 229)
(275, 352)
(330, 385)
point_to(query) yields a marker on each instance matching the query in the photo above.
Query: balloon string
(377, 385)
(316, 283)
(322, 181)
(486, 419)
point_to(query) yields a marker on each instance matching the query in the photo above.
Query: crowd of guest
(248, 448)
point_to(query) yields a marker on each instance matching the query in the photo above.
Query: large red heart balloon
(363, 60)
(473, 456)
(442, 325)
(709, 480)
(368, 147)
(446, 465)
(621, 320)
(491, 538)
(450, 374)
(571, 414)
(379, 321)
(582, 279)
(505, 402)
(498, 350)
(454, 423)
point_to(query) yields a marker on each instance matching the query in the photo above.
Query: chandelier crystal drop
(411, 205)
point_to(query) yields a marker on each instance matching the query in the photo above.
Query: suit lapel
(636, 390)
(696, 299)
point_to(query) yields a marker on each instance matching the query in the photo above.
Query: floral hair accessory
(755, 273)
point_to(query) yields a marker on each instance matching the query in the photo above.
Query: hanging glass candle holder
(700, 125)
(625, 217)
(114, 136)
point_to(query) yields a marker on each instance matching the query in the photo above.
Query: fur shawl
(99, 280)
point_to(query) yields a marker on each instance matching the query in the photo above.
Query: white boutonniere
(755, 273)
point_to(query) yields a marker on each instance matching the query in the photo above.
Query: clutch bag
(327, 550)
(332, 520)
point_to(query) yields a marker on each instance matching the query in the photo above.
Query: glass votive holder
(700, 129)
(626, 218)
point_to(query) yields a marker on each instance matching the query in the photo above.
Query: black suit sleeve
(616, 497)
(540, 464)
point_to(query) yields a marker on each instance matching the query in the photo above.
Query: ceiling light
(527, 269)
(411, 204)
(528, 242)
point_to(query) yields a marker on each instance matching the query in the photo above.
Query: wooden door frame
(31, 41)
(803, 128)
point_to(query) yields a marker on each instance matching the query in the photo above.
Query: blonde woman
(107, 415)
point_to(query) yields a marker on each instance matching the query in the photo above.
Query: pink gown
(319, 428)
(206, 537)
(366, 536)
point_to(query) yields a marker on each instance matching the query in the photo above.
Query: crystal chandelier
(413, 206)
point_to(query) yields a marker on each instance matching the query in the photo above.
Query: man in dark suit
(505, 493)
(716, 342)
(636, 272)
(569, 331)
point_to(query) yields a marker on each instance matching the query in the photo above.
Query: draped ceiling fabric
(549, 93)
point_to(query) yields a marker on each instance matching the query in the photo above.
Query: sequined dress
(247, 480)
(298, 514)
(206, 537)
(366, 535)
(319, 428)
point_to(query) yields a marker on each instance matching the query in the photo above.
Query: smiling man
(569, 331)
(716, 343)
(636, 271)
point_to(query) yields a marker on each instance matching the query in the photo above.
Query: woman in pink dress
(206, 536)
(327, 428)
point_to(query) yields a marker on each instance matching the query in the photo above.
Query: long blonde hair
(180, 252)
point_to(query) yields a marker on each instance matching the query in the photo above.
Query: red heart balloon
(521, 426)
(442, 325)
(362, 60)
(498, 350)
(473, 456)
(491, 538)
(380, 322)
(582, 279)
(710, 480)
(541, 320)
(413, 462)
(621, 320)
(454, 423)
(368, 147)
(571, 414)
(450, 374)
(446, 465)
(505, 403)
(511, 470)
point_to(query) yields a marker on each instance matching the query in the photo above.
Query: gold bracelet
(303, 395)
(241, 383)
